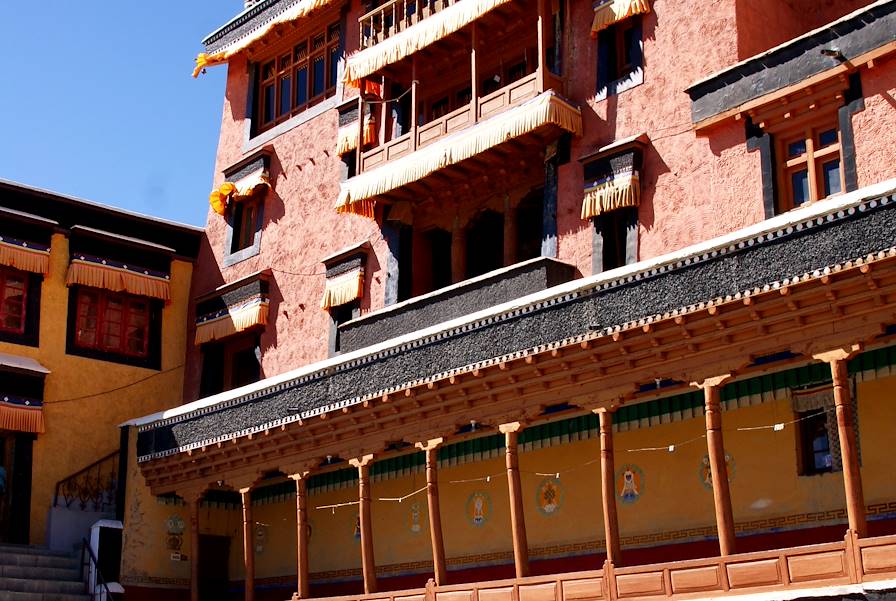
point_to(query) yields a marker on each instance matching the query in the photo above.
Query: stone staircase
(37, 574)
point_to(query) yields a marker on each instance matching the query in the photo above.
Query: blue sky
(97, 101)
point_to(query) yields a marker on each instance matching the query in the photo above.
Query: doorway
(214, 557)
(15, 486)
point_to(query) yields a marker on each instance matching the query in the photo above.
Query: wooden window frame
(285, 65)
(103, 298)
(807, 129)
(245, 221)
(620, 56)
(805, 439)
(5, 275)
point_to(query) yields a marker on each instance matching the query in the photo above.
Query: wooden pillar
(358, 161)
(414, 117)
(852, 476)
(384, 110)
(368, 565)
(720, 492)
(517, 516)
(193, 503)
(248, 543)
(543, 18)
(302, 580)
(474, 73)
(435, 514)
(608, 486)
(510, 228)
(458, 253)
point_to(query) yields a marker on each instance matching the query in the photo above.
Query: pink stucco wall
(694, 187)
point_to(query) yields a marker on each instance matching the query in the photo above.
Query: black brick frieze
(743, 266)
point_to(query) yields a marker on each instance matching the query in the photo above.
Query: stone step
(8, 558)
(40, 573)
(24, 585)
(20, 596)
(32, 550)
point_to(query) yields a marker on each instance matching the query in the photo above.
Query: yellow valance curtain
(244, 188)
(357, 194)
(414, 38)
(620, 190)
(100, 273)
(297, 11)
(26, 256)
(348, 134)
(612, 11)
(20, 415)
(343, 288)
(232, 320)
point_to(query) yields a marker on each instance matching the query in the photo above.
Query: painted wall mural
(629, 483)
(549, 496)
(479, 508)
(415, 526)
(705, 472)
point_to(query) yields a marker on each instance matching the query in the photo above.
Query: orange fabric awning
(23, 255)
(21, 415)
(101, 273)
(621, 190)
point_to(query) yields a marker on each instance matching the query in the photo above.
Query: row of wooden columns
(721, 494)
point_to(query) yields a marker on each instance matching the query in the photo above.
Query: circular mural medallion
(629, 483)
(549, 496)
(479, 508)
(705, 472)
(175, 524)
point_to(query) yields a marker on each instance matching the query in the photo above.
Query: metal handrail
(91, 559)
(65, 484)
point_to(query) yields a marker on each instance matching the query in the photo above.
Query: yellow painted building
(89, 342)
(667, 500)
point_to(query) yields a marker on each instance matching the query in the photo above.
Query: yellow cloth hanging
(622, 190)
(343, 288)
(245, 188)
(237, 319)
(21, 418)
(358, 193)
(614, 11)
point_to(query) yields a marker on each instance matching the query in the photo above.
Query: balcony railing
(478, 110)
(849, 562)
(397, 15)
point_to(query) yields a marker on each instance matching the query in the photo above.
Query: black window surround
(761, 140)
(261, 159)
(31, 334)
(610, 81)
(153, 358)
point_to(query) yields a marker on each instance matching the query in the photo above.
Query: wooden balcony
(394, 16)
(854, 563)
(478, 110)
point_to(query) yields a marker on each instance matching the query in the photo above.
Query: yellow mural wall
(81, 421)
(669, 493)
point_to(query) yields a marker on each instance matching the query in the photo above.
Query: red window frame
(7, 304)
(109, 321)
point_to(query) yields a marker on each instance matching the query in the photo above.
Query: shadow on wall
(654, 167)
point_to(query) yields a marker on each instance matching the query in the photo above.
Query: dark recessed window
(13, 300)
(293, 81)
(230, 363)
(245, 218)
(619, 56)
(815, 443)
(112, 322)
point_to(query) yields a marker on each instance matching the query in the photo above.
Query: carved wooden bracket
(430, 444)
(839, 354)
(711, 382)
(361, 461)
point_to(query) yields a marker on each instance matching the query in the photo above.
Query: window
(619, 57)
(112, 322)
(338, 316)
(809, 163)
(298, 78)
(244, 220)
(616, 240)
(815, 443)
(229, 364)
(13, 301)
